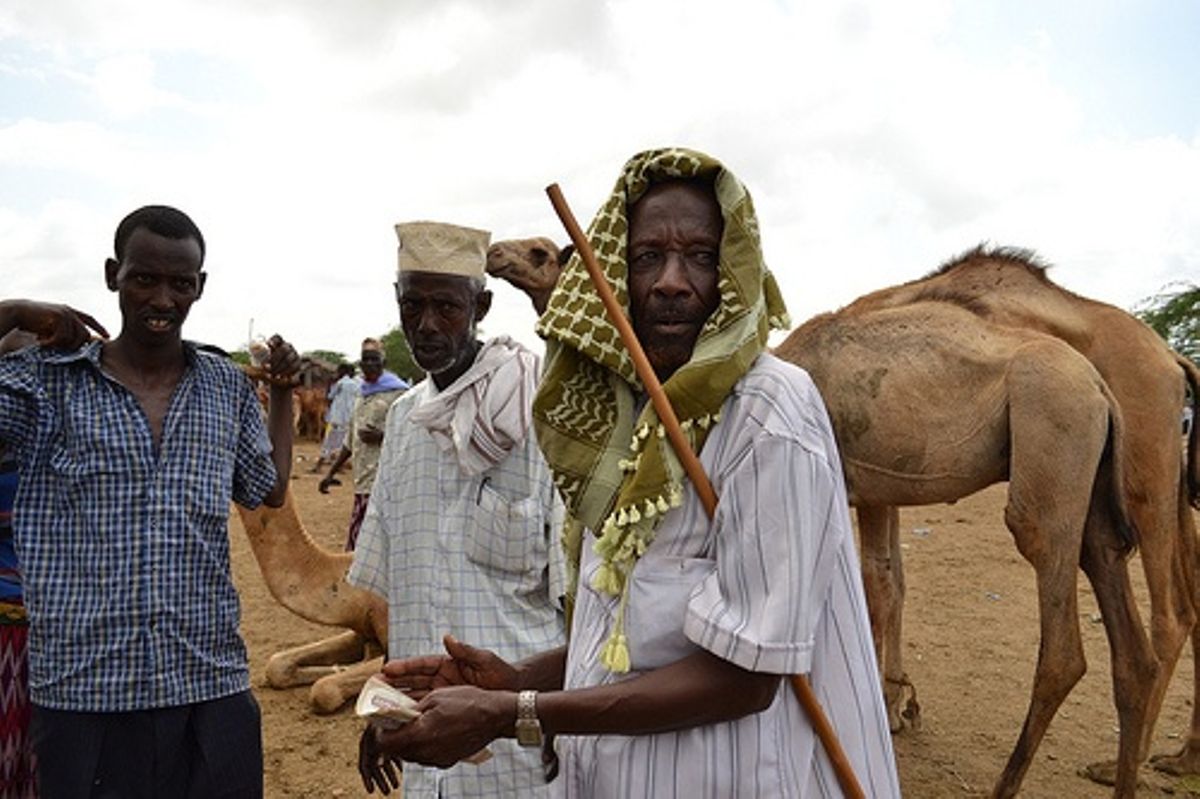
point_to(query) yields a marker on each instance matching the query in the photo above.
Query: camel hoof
(904, 712)
(1183, 763)
(1104, 772)
(281, 672)
(326, 697)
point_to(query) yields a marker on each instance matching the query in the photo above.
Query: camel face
(526, 263)
(531, 265)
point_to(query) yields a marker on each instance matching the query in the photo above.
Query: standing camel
(1104, 558)
(1010, 286)
(931, 403)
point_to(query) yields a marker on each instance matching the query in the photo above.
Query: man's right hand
(58, 326)
(463, 664)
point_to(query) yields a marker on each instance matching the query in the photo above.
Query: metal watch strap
(528, 727)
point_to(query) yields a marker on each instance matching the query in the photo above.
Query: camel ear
(565, 254)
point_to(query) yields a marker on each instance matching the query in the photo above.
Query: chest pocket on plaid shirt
(504, 534)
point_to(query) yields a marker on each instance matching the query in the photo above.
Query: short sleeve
(18, 399)
(254, 473)
(777, 535)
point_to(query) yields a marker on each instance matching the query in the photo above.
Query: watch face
(529, 732)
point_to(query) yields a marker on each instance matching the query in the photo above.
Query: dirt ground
(971, 638)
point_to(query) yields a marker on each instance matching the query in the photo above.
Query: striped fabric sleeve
(775, 549)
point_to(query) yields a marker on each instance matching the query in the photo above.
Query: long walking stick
(691, 465)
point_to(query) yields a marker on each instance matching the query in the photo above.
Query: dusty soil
(971, 637)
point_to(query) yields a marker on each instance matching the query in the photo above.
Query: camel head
(531, 265)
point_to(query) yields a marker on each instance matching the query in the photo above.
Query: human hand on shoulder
(55, 325)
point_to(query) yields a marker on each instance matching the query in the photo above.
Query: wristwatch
(528, 728)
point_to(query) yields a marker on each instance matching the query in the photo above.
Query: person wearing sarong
(462, 530)
(364, 438)
(684, 627)
(18, 764)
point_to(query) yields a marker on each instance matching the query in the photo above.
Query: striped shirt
(124, 547)
(771, 584)
(478, 557)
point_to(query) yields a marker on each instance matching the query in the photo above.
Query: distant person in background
(364, 438)
(342, 395)
(18, 766)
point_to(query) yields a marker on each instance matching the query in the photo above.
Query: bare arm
(58, 326)
(329, 479)
(698, 689)
(282, 365)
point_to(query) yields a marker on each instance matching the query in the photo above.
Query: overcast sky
(878, 139)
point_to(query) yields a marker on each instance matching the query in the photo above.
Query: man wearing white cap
(462, 529)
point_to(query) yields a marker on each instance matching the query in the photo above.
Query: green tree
(240, 356)
(1174, 313)
(328, 356)
(399, 357)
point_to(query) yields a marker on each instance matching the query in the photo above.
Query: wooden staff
(693, 468)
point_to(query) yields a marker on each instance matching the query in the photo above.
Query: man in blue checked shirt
(129, 452)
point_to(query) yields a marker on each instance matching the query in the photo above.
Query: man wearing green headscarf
(683, 625)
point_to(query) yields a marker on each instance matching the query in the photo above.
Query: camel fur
(1010, 286)
(311, 582)
(1139, 376)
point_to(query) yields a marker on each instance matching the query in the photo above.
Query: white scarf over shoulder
(486, 413)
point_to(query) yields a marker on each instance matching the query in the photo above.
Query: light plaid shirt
(478, 557)
(125, 549)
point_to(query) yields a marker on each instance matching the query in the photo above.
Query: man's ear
(111, 268)
(201, 279)
(483, 304)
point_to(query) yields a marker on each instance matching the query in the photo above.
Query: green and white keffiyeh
(613, 464)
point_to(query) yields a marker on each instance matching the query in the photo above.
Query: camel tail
(1126, 530)
(1192, 374)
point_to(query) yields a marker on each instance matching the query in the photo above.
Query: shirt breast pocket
(504, 534)
(658, 595)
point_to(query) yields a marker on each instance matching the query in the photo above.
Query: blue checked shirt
(125, 548)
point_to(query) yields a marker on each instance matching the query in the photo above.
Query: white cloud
(875, 138)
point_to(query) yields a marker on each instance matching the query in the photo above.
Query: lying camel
(1010, 286)
(311, 582)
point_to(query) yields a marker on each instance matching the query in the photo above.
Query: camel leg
(1167, 552)
(306, 664)
(1135, 668)
(329, 693)
(1187, 759)
(883, 581)
(1057, 436)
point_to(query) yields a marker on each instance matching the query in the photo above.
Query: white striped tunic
(771, 584)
